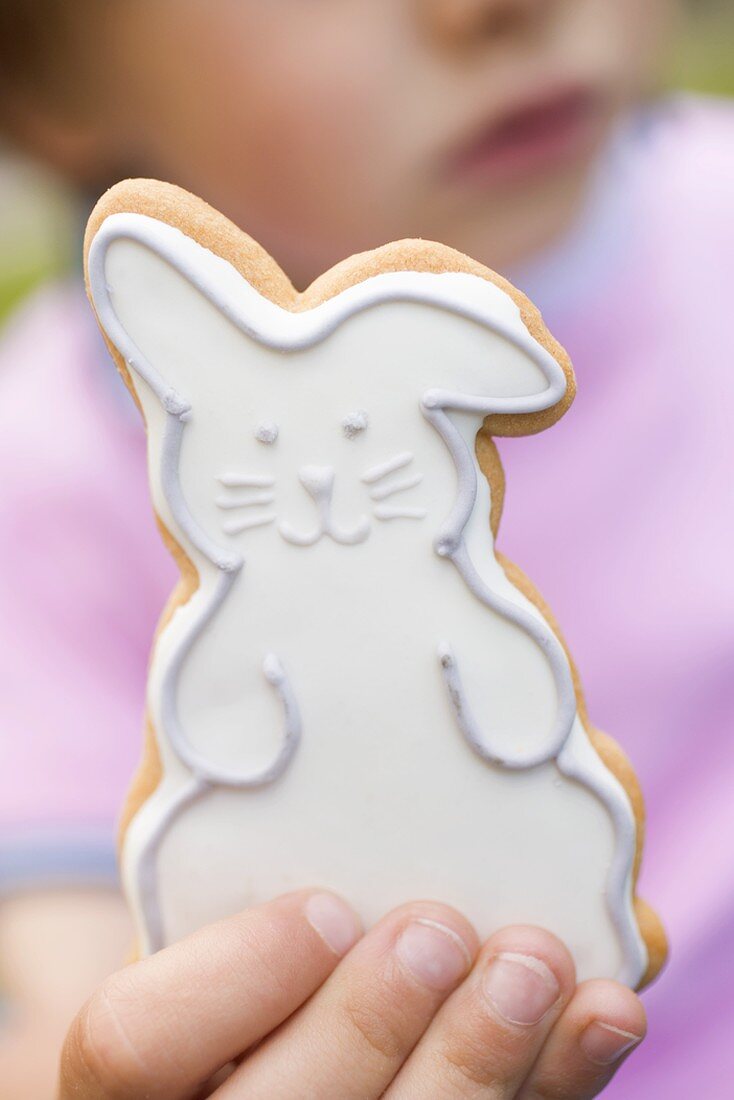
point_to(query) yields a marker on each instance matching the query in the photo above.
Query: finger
(603, 1023)
(486, 1037)
(162, 1027)
(351, 1038)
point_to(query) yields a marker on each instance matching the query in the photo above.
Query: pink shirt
(83, 576)
(622, 514)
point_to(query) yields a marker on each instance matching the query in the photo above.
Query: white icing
(318, 481)
(376, 473)
(267, 432)
(245, 481)
(382, 492)
(227, 504)
(354, 424)
(235, 526)
(387, 511)
(384, 800)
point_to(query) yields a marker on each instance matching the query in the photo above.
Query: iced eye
(267, 432)
(354, 424)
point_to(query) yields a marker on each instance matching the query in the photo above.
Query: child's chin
(503, 230)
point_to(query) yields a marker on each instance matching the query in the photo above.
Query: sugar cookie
(350, 688)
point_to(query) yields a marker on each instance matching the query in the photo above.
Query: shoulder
(685, 158)
(61, 404)
(74, 499)
(682, 124)
(73, 445)
(48, 320)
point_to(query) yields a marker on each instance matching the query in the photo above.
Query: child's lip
(537, 133)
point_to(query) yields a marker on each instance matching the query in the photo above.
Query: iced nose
(317, 480)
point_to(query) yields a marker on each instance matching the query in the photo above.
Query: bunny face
(318, 425)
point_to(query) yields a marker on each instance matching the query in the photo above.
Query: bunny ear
(176, 303)
(157, 305)
(155, 256)
(509, 373)
(492, 355)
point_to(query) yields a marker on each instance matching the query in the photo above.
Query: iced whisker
(246, 481)
(236, 526)
(376, 473)
(382, 492)
(386, 512)
(229, 503)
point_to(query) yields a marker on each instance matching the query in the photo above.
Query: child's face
(325, 127)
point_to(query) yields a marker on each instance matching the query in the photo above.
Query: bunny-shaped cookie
(350, 688)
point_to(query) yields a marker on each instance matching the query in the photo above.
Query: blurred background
(39, 224)
(40, 229)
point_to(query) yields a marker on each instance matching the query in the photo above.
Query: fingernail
(434, 954)
(520, 988)
(604, 1044)
(334, 921)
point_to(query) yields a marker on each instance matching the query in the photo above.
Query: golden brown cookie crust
(178, 208)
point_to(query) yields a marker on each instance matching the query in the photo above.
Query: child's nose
(455, 23)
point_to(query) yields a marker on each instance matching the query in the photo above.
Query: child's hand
(414, 1010)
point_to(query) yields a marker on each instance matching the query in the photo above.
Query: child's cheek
(618, 43)
(314, 138)
(288, 125)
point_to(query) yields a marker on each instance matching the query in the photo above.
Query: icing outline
(449, 543)
(311, 327)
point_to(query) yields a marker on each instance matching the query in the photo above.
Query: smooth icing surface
(355, 696)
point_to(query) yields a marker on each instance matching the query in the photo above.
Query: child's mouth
(537, 135)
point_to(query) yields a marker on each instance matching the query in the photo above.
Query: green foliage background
(704, 61)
